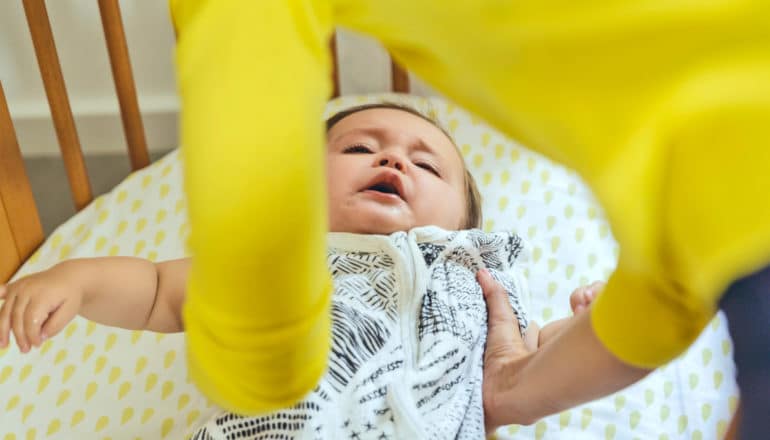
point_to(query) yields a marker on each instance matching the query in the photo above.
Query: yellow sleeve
(254, 78)
(662, 106)
(641, 323)
(709, 223)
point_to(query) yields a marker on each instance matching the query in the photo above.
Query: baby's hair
(473, 216)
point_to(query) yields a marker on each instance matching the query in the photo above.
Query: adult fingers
(503, 327)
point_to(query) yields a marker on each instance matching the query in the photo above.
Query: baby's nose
(391, 162)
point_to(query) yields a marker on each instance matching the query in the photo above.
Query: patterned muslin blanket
(409, 328)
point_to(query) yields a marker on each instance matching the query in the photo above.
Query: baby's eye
(357, 149)
(430, 168)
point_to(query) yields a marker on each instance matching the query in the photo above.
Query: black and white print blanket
(408, 335)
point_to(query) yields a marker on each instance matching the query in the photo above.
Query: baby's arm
(119, 291)
(579, 300)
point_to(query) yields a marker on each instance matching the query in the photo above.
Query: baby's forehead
(385, 124)
(390, 123)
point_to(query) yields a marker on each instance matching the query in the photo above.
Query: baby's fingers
(579, 300)
(58, 318)
(34, 317)
(596, 288)
(5, 320)
(17, 322)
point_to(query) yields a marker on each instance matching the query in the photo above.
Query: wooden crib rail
(53, 81)
(335, 68)
(124, 83)
(399, 78)
(20, 229)
(58, 101)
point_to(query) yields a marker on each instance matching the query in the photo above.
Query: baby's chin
(371, 222)
(384, 220)
(370, 228)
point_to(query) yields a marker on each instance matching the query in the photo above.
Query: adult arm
(521, 386)
(253, 78)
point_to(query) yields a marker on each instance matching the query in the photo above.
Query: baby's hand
(37, 307)
(581, 298)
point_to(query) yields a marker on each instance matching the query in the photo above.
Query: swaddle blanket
(409, 328)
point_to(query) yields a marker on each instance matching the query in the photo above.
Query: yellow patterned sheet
(93, 381)
(97, 382)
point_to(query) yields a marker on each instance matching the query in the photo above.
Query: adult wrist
(503, 405)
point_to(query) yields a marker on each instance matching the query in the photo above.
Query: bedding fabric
(409, 327)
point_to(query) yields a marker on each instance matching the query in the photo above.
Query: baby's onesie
(409, 327)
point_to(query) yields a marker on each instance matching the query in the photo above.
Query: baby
(409, 319)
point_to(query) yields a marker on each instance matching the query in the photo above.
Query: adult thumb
(504, 336)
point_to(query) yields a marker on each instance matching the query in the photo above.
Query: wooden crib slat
(335, 66)
(399, 77)
(9, 257)
(124, 83)
(20, 229)
(53, 80)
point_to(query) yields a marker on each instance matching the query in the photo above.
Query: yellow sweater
(662, 105)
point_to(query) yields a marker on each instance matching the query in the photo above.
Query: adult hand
(505, 347)
(522, 385)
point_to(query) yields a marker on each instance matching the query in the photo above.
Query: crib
(93, 381)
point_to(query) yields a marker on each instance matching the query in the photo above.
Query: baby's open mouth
(384, 187)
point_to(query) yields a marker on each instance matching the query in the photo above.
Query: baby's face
(389, 170)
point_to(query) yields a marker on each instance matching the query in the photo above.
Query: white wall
(83, 55)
